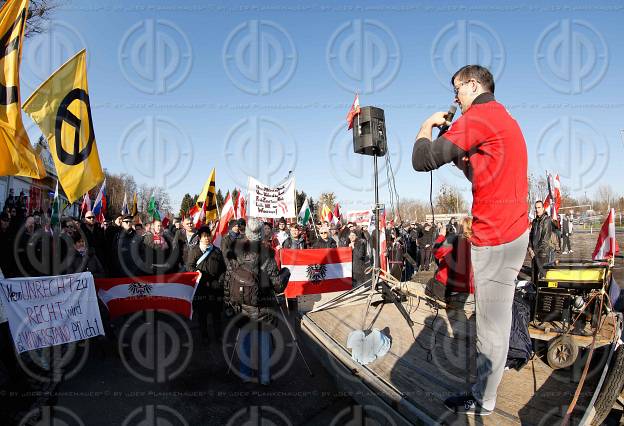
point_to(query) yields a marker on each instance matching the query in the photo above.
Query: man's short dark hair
(477, 72)
(539, 201)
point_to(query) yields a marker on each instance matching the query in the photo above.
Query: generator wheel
(611, 388)
(562, 352)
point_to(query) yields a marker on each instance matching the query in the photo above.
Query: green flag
(55, 219)
(304, 214)
(152, 209)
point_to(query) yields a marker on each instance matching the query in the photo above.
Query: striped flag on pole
(316, 271)
(607, 245)
(172, 292)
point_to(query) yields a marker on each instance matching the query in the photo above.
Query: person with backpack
(252, 281)
(207, 259)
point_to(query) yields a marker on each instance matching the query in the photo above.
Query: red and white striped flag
(316, 271)
(554, 193)
(227, 214)
(198, 215)
(355, 110)
(172, 292)
(241, 209)
(606, 246)
(337, 216)
(85, 206)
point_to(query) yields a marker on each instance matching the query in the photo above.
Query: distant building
(39, 192)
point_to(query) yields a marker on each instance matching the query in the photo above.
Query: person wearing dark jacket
(566, 231)
(208, 261)
(360, 258)
(540, 247)
(232, 235)
(395, 258)
(425, 242)
(257, 320)
(127, 257)
(295, 240)
(324, 240)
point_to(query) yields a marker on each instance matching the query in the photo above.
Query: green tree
(187, 203)
(300, 198)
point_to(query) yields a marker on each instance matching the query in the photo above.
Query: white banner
(49, 311)
(359, 217)
(275, 202)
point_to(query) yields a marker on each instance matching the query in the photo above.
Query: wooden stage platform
(436, 359)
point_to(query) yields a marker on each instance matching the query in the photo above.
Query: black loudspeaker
(369, 132)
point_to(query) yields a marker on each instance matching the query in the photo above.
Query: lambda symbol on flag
(316, 273)
(65, 115)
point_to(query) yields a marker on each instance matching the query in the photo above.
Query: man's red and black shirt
(486, 143)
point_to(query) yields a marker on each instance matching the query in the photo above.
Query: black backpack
(244, 284)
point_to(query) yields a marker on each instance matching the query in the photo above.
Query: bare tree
(449, 200)
(39, 12)
(605, 197)
(327, 198)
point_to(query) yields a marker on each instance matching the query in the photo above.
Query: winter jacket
(212, 270)
(329, 243)
(540, 237)
(298, 244)
(255, 256)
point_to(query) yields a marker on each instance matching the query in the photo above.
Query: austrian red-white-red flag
(607, 245)
(241, 206)
(355, 110)
(171, 292)
(198, 215)
(227, 214)
(336, 214)
(316, 271)
(383, 245)
(554, 193)
(85, 206)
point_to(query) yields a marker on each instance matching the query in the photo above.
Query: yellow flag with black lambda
(60, 106)
(209, 195)
(17, 156)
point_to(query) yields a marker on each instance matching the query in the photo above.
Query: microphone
(449, 118)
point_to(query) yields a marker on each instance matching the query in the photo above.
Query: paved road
(165, 374)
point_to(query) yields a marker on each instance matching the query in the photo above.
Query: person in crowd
(296, 239)
(541, 248)
(128, 248)
(7, 237)
(425, 242)
(208, 260)
(410, 250)
(148, 228)
(81, 260)
(268, 236)
(252, 266)
(242, 223)
(282, 233)
(185, 237)
(359, 257)
(94, 236)
(333, 233)
(325, 240)
(158, 249)
(31, 254)
(232, 235)
(395, 255)
(453, 279)
(138, 227)
(566, 232)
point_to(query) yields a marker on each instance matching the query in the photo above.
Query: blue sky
(263, 88)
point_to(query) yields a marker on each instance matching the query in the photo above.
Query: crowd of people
(128, 247)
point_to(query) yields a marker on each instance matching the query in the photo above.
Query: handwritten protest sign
(272, 201)
(49, 311)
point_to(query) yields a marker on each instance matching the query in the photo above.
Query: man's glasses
(89, 217)
(126, 221)
(456, 89)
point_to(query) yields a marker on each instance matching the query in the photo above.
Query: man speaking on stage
(486, 143)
